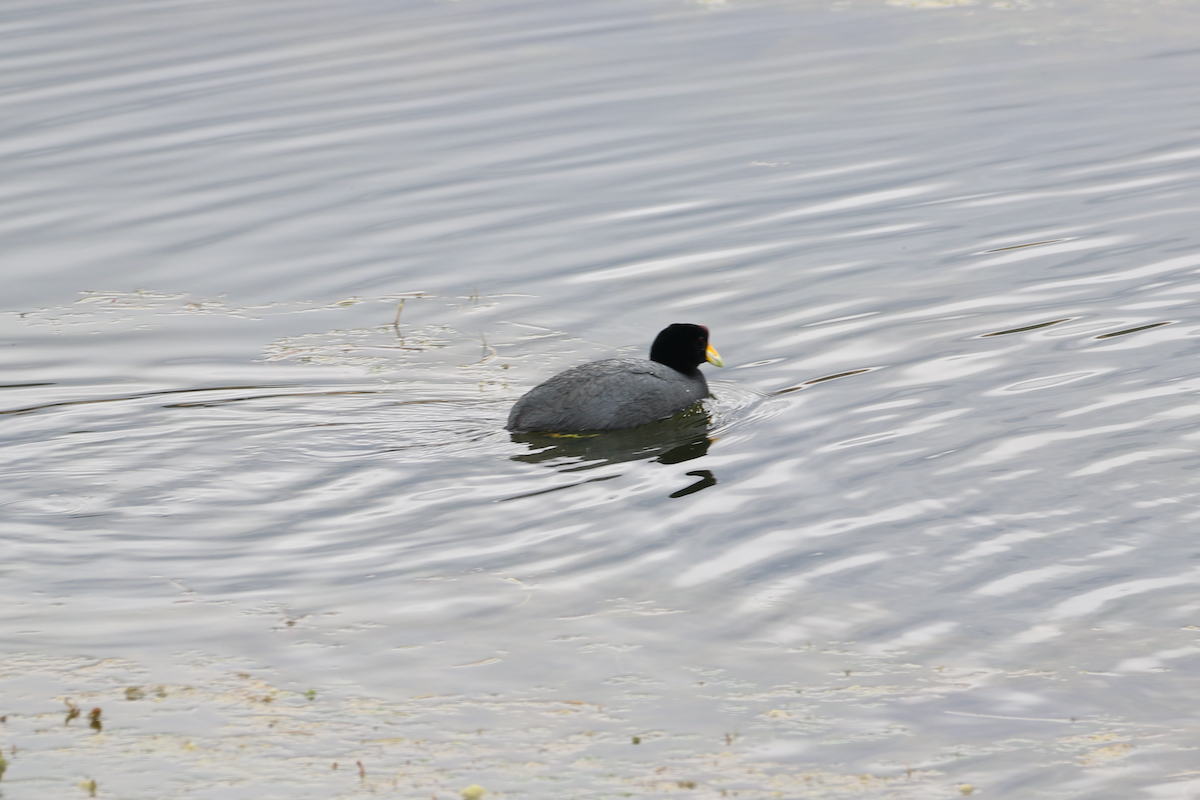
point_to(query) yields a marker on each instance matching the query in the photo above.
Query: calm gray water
(274, 273)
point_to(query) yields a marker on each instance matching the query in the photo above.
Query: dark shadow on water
(682, 438)
(706, 477)
(672, 441)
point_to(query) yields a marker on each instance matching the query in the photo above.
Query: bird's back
(613, 394)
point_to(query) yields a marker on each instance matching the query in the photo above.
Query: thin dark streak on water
(1025, 328)
(1128, 331)
(836, 376)
(1030, 244)
(136, 396)
(224, 401)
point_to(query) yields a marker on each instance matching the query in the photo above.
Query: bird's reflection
(681, 438)
(706, 479)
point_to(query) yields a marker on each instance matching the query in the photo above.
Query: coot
(620, 393)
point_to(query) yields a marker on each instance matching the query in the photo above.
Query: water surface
(273, 280)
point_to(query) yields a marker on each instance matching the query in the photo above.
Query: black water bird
(621, 393)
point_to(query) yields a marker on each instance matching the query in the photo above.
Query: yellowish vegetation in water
(1106, 755)
(228, 726)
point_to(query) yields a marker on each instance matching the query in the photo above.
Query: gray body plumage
(613, 394)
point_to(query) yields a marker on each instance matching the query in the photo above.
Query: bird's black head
(683, 347)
